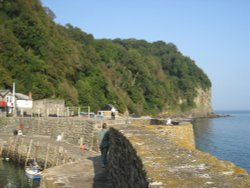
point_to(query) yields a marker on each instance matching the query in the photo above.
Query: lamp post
(14, 98)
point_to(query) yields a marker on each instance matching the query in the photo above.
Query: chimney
(30, 94)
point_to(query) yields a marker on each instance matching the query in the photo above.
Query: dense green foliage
(54, 61)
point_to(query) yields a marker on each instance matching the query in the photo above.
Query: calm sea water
(12, 175)
(227, 138)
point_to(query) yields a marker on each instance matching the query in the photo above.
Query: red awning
(3, 103)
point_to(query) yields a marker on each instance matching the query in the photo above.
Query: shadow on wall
(125, 167)
(156, 122)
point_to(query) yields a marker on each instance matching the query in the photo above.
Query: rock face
(203, 104)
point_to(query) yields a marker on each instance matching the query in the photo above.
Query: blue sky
(214, 33)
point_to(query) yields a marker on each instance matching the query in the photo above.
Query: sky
(214, 33)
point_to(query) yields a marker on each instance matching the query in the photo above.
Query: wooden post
(1, 149)
(8, 149)
(28, 153)
(22, 112)
(88, 111)
(81, 141)
(36, 151)
(55, 156)
(20, 152)
(47, 156)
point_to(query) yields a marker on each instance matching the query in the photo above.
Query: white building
(24, 103)
(6, 101)
(107, 110)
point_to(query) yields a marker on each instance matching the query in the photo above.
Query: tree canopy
(55, 61)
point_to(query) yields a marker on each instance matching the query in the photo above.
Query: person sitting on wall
(169, 121)
(19, 132)
(113, 113)
(15, 132)
(103, 142)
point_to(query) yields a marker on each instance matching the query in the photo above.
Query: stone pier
(142, 154)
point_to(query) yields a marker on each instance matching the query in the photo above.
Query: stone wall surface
(72, 129)
(45, 107)
(69, 165)
(125, 167)
(170, 162)
(47, 152)
(141, 155)
(182, 135)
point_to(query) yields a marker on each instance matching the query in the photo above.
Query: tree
(69, 93)
(55, 61)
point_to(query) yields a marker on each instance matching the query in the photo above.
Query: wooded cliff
(55, 61)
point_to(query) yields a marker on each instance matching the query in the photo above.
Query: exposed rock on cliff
(203, 104)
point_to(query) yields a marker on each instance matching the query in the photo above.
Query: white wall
(24, 103)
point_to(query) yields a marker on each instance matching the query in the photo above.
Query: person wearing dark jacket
(103, 140)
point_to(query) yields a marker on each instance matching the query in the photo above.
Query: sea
(227, 137)
(13, 175)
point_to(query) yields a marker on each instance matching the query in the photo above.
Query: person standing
(103, 141)
(113, 113)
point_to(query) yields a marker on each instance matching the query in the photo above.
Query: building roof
(108, 107)
(4, 92)
(3, 103)
(20, 96)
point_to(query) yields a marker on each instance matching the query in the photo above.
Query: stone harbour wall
(182, 135)
(141, 155)
(46, 152)
(73, 130)
(172, 162)
(125, 167)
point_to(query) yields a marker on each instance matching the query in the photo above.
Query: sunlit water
(227, 138)
(12, 175)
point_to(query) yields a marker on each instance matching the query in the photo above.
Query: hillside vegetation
(54, 61)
